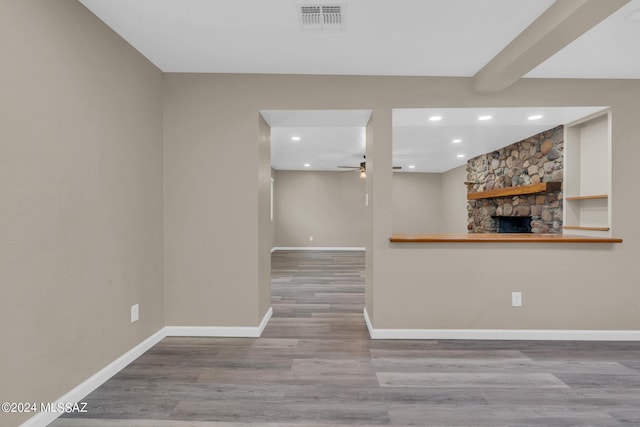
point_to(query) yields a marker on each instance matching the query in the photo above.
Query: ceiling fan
(362, 168)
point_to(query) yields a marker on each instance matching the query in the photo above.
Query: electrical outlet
(311, 238)
(516, 299)
(135, 312)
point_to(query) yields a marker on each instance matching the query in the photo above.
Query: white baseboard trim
(220, 331)
(265, 320)
(318, 248)
(500, 334)
(96, 380)
(81, 391)
(368, 322)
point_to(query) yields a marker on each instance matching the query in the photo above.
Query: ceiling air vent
(321, 17)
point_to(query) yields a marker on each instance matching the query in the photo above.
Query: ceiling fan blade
(397, 167)
(349, 167)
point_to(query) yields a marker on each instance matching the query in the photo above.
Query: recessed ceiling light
(412, 166)
(457, 140)
(295, 138)
(435, 118)
(307, 165)
(485, 118)
(535, 117)
(460, 156)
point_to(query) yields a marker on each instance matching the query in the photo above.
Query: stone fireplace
(535, 160)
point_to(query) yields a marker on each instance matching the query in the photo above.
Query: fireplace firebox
(513, 224)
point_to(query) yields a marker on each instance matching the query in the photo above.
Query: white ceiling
(609, 50)
(381, 37)
(328, 139)
(429, 145)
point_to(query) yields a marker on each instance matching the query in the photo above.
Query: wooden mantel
(542, 187)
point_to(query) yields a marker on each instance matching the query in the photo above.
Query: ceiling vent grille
(321, 18)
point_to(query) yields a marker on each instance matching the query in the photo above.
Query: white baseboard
(265, 320)
(500, 334)
(220, 331)
(96, 380)
(81, 391)
(318, 248)
(368, 322)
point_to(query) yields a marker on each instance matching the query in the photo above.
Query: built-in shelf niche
(587, 176)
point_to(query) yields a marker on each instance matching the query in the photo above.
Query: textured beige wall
(326, 205)
(417, 203)
(81, 206)
(454, 200)
(210, 125)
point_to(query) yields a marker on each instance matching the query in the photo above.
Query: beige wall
(81, 234)
(265, 227)
(330, 206)
(211, 202)
(412, 286)
(454, 200)
(417, 203)
(369, 221)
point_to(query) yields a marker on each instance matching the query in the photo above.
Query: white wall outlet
(135, 312)
(311, 238)
(516, 299)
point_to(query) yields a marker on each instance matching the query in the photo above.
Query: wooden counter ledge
(498, 238)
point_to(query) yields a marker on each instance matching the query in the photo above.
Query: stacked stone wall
(531, 161)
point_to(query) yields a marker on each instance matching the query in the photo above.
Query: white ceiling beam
(563, 22)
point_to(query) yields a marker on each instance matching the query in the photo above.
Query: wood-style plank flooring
(316, 366)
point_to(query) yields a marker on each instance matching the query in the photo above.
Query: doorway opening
(318, 221)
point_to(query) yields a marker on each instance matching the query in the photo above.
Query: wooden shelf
(542, 187)
(597, 196)
(498, 238)
(577, 227)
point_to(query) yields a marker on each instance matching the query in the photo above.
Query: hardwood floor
(316, 366)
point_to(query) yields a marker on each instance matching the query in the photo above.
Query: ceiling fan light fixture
(363, 174)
